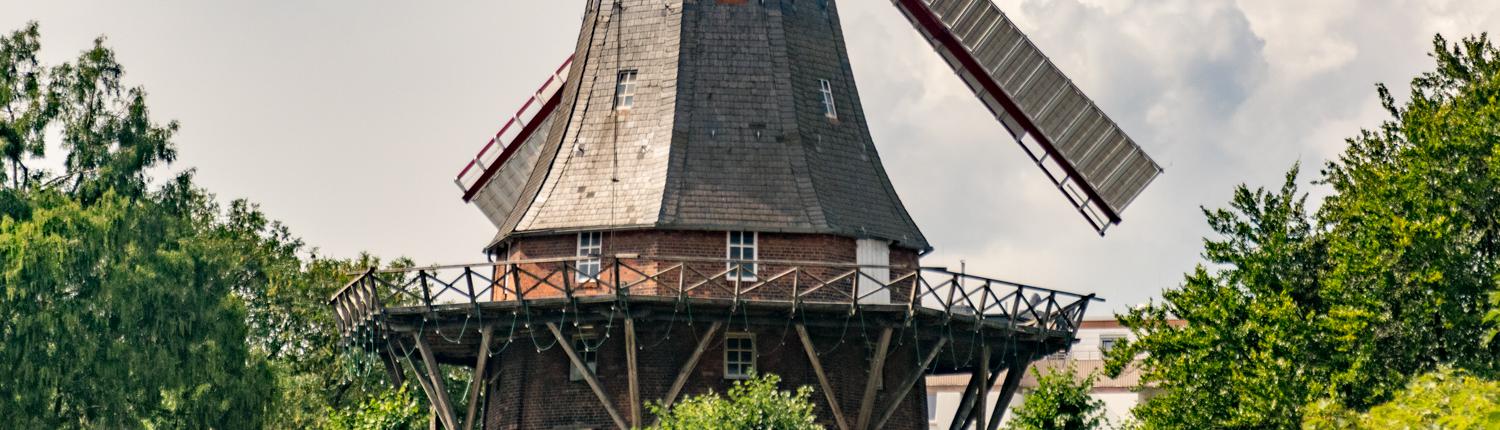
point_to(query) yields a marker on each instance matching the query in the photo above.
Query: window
(741, 255)
(589, 354)
(739, 355)
(830, 109)
(625, 89)
(1107, 343)
(590, 244)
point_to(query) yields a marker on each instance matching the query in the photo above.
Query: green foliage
(119, 314)
(1446, 399)
(1061, 401)
(1243, 358)
(752, 404)
(1414, 230)
(24, 108)
(391, 410)
(124, 305)
(1392, 277)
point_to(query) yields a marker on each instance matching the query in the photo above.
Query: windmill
(694, 196)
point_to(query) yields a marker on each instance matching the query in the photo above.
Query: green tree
(1414, 230)
(132, 306)
(1392, 277)
(1061, 401)
(24, 107)
(390, 410)
(755, 403)
(1446, 399)
(1245, 357)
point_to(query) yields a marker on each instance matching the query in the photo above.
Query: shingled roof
(727, 130)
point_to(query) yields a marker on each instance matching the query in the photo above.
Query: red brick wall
(547, 279)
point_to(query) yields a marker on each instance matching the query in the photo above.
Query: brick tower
(695, 196)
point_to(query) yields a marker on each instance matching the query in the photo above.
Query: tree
(391, 410)
(1061, 401)
(125, 305)
(1391, 277)
(24, 106)
(752, 404)
(1414, 230)
(1447, 399)
(1244, 357)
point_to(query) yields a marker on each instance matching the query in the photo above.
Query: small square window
(739, 355)
(830, 108)
(742, 255)
(1107, 343)
(625, 89)
(587, 349)
(590, 244)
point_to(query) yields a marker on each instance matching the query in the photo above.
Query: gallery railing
(364, 302)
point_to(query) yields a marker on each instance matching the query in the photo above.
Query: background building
(1096, 335)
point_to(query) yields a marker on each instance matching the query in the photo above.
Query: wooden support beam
(965, 415)
(422, 383)
(438, 392)
(984, 390)
(872, 381)
(634, 377)
(909, 383)
(392, 364)
(962, 415)
(692, 363)
(588, 376)
(1008, 391)
(817, 365)
(478, 381)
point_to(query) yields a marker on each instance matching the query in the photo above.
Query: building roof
(727, 130)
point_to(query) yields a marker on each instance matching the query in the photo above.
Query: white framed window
(583, 344)
(739, 355)
(830, 108)
(625, 89)
(590, 244)
(1107, 343)
(742, 253)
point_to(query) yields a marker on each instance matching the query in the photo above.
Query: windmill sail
(1095, 164)
(494, 178)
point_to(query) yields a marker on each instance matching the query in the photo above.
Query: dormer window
(625, 90)
(830, 109)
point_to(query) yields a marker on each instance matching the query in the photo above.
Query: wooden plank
(812, 357)
(439, 394)
(478, 381)
(588, 376)
(872, 381)
(692, 363)
(632, 374)
(1008, 391)
(909, 383)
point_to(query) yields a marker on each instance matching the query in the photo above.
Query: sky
(348, 119)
